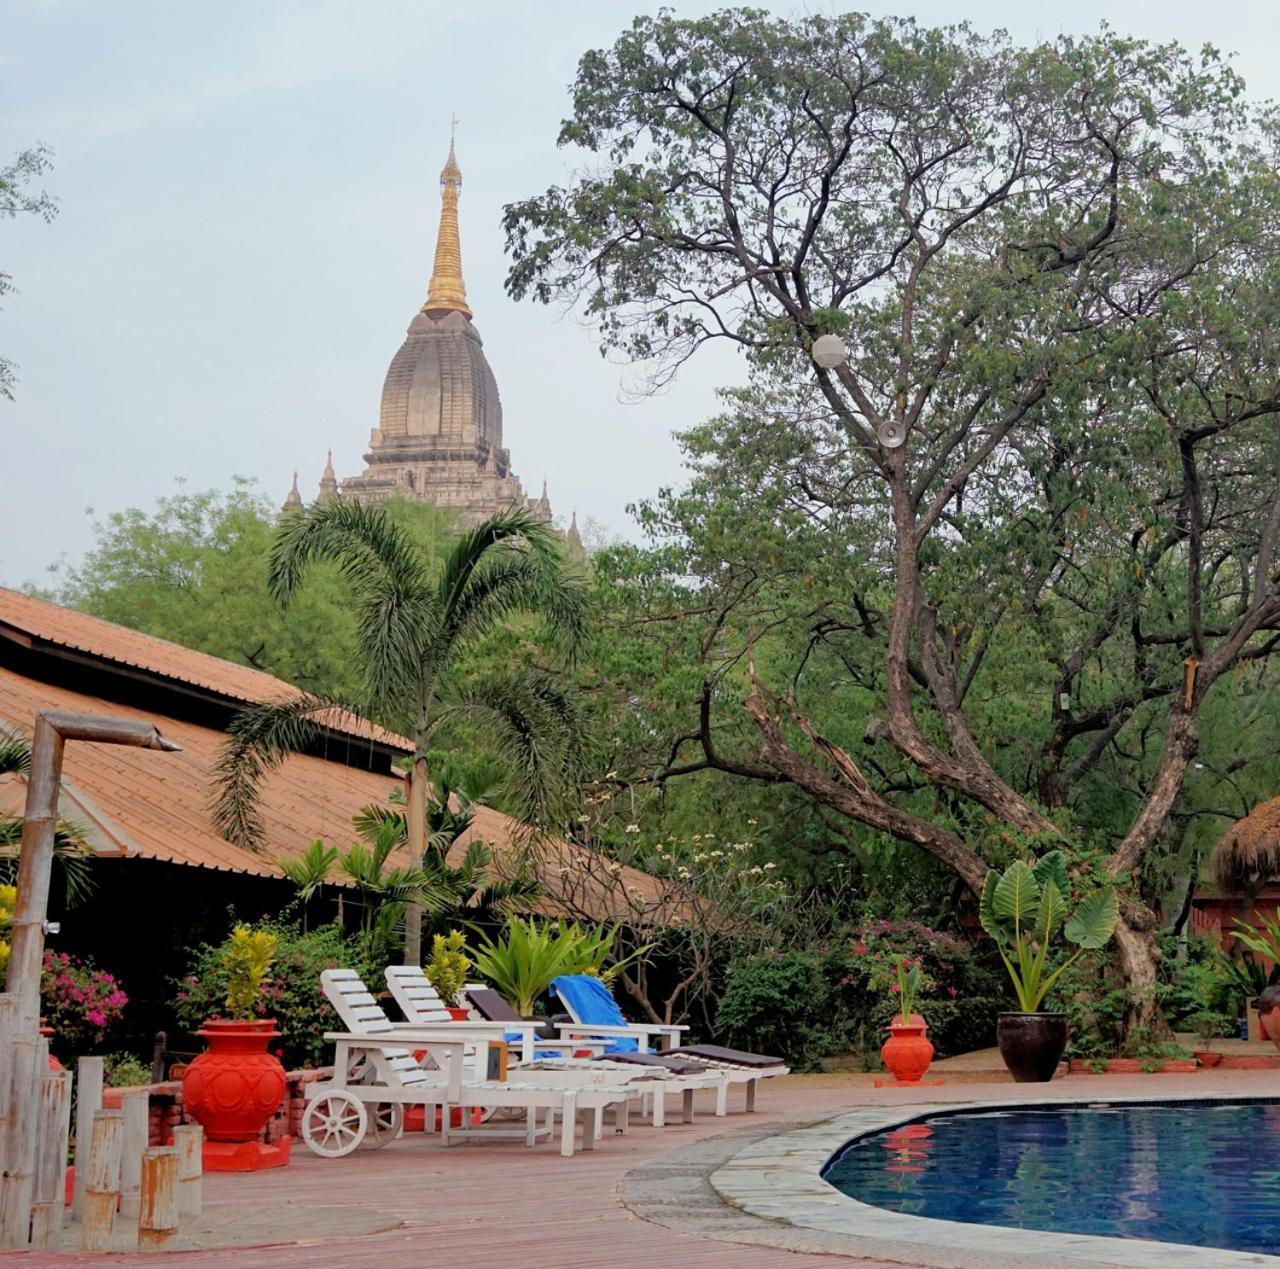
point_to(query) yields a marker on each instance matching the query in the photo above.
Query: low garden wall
(166, 1107)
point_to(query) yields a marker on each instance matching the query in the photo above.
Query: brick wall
(166, 1108)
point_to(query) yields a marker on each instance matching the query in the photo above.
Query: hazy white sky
(248, 206)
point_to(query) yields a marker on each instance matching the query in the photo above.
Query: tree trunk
(1139, 959)
(416, 826)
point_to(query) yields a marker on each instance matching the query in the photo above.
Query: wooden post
(18, 1128)
(7, 1023)
(136, 1105)
(89, 1081)
(158, 1212)
(51, 1161)
(158, 1049)
(188, 1141)
(101, 1162)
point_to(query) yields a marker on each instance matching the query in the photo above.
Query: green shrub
(448, 965)
(780, 1003)
(123, 1070)
(293, 996)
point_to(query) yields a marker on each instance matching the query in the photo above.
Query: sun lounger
(376, 1074)
(421, 1005)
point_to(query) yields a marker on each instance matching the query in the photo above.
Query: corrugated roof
(138, 802)
(118, 645)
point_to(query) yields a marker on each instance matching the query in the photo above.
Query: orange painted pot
(907, 1052)
(234, 1087)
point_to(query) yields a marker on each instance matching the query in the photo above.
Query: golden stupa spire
(447, 292)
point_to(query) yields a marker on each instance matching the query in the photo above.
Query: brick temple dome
(439, 385)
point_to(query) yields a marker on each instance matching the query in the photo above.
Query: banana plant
(1023, 908)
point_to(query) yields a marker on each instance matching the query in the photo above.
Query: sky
(248, 198)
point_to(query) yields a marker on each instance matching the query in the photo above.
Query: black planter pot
(1031, 1044)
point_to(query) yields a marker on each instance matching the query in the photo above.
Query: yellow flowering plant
(448, 965)
(246, 957)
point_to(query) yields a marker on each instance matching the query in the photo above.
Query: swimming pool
(1199, 1173)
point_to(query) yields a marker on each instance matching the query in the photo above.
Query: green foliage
(1261, 943)
(293, 996)
(1087, 396)
(528, 954)
(16, 198)
(448, 966)
(247, 955)
(779, 1003)
(1023, 909)
(902, 977)
(123, 1070)
(194, 570)
(1196, 984)
(415, 619)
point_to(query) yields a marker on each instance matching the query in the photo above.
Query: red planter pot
(234, 1088)
(907, 1052)
(1270, 1023)
(458, 1014)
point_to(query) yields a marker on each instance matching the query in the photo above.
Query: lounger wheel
(334, 1124)
(385, 1121)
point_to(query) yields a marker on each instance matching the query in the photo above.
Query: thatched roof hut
(1248, 856)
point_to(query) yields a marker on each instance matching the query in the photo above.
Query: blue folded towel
(591, 1002)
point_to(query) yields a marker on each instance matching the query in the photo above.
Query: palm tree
(473, 883)
(415, 622)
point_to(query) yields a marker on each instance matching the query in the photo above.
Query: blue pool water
(1202, 1173)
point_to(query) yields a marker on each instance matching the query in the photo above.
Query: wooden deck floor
(496, 1203)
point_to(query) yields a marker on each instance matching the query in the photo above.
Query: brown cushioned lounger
(739, 1057)
(665, 1061)
(491, 1006)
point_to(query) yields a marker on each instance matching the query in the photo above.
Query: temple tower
(439, 434)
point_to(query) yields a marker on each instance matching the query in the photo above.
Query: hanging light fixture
(829, 351)
(891, 434)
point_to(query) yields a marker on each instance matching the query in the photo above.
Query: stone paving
(642, 1199)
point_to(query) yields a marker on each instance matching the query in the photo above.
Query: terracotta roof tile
(136, 802)
(118, 645)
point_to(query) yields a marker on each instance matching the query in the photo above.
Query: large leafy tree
(193, 569)
(415, 622)
(1052, 268)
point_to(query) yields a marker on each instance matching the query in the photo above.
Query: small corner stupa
(439, 433)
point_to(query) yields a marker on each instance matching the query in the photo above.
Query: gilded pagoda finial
(447, 292)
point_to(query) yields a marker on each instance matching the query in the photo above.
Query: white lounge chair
(376, 1074)
(422, 1006)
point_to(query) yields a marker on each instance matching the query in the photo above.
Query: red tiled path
(496, 1203)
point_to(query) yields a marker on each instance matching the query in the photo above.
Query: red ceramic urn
(907, 1052)
(233, 1089)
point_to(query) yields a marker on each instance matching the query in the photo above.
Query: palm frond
(259, 740)
(538, 731)
(362, 540)
(394, 601)
(310, 870)
(70, 850)
(15, 753)
(545, 586)
(510, 581)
